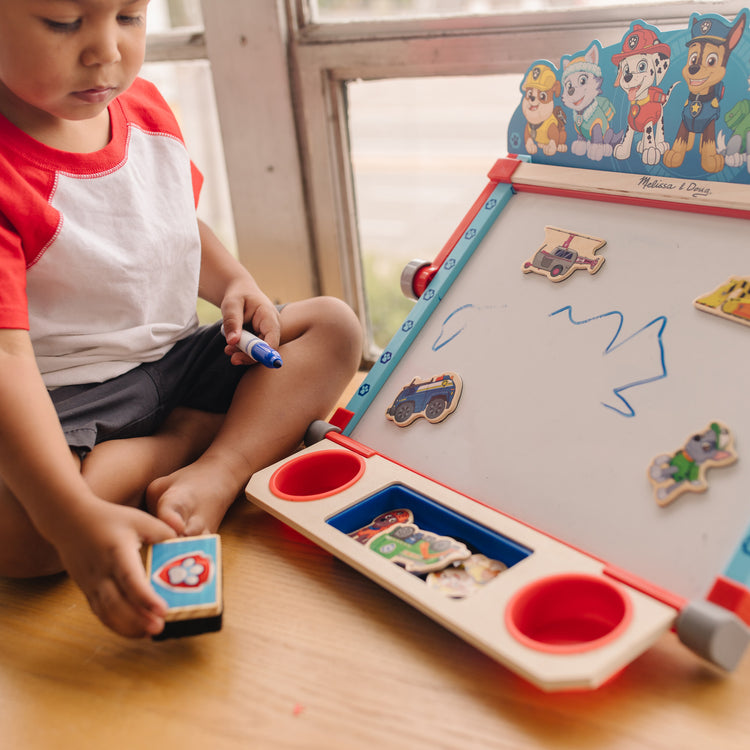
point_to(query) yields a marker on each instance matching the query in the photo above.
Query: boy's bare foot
(193, 500)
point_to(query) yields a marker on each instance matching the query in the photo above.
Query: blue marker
(257, 349)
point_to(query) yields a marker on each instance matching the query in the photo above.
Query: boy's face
(67, 59)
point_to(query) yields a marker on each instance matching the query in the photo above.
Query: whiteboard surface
(540, 433)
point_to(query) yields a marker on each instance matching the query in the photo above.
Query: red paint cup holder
(313, 476)
(568, 613)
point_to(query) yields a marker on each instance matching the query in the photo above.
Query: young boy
(110, 393)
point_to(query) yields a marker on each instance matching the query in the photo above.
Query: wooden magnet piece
(418, 551)
(186, 573)
(433, 399)
(466, 578)
(730, 301)
(564, 252)
(381, 523)
(672, 474)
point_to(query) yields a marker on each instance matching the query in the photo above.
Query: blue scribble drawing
(455, 324)
(656, 362)
(445, 338)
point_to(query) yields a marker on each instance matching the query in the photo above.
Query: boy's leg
(120, 470)
(117, 471)
(23, 552)
(268, 417)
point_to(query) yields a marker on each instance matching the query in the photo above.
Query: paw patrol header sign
(667, 104)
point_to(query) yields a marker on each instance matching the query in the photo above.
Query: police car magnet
(564, 252)
(433, 399)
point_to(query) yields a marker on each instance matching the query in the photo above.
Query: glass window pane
(421, 149)
(171, 14)
(351, 10)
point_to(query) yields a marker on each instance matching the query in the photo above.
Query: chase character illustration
(641, 66)
(545, 121)
(685, 470)
(712, 41)
(592, 112)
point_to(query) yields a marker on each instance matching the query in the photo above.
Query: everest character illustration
(592, 112)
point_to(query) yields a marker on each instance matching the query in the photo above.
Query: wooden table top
(314, 655)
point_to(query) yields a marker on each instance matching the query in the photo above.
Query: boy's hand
(241, 305)
(225, 282)
(101, 552)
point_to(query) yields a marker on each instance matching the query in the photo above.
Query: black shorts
(194, 373)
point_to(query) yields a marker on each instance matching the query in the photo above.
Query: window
(420, 152)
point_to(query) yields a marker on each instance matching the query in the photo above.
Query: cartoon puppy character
(712, 40)
(685, 471)
(640, 69)
(545, 122)
(592, 112)
(738, 122)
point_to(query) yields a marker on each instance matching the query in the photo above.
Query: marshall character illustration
(592, 112)
(641, 66)
(545, 121)
(685, 470)
(711, 43)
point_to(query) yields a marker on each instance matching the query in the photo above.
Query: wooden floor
(313, 655)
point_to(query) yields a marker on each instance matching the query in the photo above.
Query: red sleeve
(13, 306)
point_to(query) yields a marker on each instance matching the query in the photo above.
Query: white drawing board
(571, 388)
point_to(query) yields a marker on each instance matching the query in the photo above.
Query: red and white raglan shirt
(99, 252)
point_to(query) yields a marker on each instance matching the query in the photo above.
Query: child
(111, 396)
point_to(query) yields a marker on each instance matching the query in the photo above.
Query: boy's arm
(226, 283)
(97, 541)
